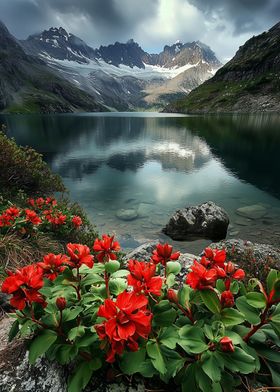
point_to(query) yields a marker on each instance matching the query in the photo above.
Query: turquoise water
(152, 164)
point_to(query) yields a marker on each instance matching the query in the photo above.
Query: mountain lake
(145, 166)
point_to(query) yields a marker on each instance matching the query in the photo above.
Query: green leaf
(171, 280)
(189, 380)
(14, 330)
(192, 339)
(155, 354)
(27, 328)
(202, 380)
(173, 267)
(83, 375)
(211, 300)
(216, 387)
(220, 285)
(271, 279)
(164, 314)
(117, 285)
(251, 314)
(91, 279)
(120, 274)
(146, 369)
(76, 332)
(275, 373)
(230, 316)
(112, 266)
(257, 300)
(234, 287)
(66, 353)
(238, 361)
(87, 340)
(131, 361)
(211, 366)
(71, 313)
(268, 353)
(41, 344)
(174, 360)
(184, 295)
(169, 337)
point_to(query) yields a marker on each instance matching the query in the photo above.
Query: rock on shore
(206, 220)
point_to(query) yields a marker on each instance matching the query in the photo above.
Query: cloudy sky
(222, 24)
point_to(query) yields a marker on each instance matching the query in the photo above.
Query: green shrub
(23, 168)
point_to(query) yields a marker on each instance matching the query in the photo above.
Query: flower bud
(230, 267)
(61, 303)
(226, 344)
(172, 296)
(227, 299)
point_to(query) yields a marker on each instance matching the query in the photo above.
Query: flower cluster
(87, 307)
(43, 214)
(127, 319)
(211, 267)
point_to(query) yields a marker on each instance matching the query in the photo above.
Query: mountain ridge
(250, 81)
(28, 85)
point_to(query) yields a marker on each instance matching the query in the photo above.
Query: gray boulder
(206, 220)
(17, 375)
(142, 252)
(256, 259)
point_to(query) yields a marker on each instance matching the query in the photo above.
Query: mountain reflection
(77, 146)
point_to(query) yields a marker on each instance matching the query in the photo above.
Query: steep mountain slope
(122, 75)
(57, 43)
(248, 82)
(28, 85)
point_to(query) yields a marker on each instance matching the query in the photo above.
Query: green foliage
(193, 340)
(23, 168)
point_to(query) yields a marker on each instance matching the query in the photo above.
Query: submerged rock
(254, 211)
(207, 220)
(127, 215)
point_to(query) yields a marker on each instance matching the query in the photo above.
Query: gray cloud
(222, 24)
(244, 15)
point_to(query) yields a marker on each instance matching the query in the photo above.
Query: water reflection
(158, 164)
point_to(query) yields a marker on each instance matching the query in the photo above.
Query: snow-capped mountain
(58, 44)
(122, 75)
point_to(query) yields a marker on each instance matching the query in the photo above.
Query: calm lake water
(152, 164)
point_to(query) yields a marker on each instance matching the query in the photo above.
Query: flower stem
(255, 328)
(106, 277)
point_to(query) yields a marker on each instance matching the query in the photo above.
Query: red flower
(13, 212)
(106, 248)
(238, 274)
(77, 221)
(227, 299)
(127, 320)
(52, 265)
(24, 285)
(58, 220)
(31, 202)
(6, 220)
(142, 277)
(200, 278)
(226, 344)
(40, 202)
(172, 296)
(61, 303)
(79, 254)
(32, 217)
(232, 273)
(51, 200)
(163, 253)
(214, 257)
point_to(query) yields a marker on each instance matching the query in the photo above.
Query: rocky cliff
(248, 82)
